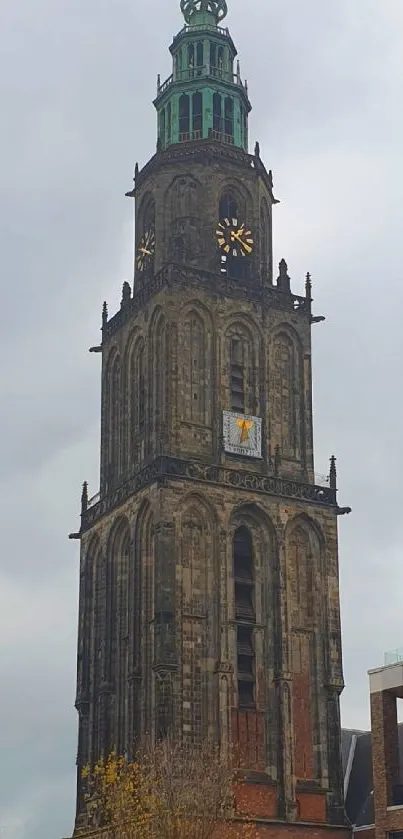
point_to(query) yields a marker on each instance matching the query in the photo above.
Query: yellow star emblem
(245, 426)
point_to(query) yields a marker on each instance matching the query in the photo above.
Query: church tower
(209, 593)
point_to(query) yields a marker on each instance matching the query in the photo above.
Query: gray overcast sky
(76, 84)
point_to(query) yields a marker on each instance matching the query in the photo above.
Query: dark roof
(357, 769)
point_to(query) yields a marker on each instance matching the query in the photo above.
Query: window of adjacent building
(184, 115)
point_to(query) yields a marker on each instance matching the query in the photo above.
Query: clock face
(242, 434)
(234, 238)
(146, 249)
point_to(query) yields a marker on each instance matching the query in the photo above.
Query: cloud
(76, 84)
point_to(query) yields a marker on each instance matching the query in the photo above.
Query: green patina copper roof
(204, 97)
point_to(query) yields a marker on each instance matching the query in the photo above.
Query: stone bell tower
(209, 594)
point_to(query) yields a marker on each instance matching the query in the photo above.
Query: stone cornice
(182, 276)
(206, 152)
(171, 468)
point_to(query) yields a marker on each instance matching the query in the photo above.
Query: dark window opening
(141, 394)
(199, 55)
(184, 116)
(217, 125)
(245, 666)
(197, 115)
(228, 207)
(213, 56)
(244, 615)
(229, 117)
(244, 640)
(244, 606)
(246, 693)
(191, 57)
(243, 565)
(220, 59)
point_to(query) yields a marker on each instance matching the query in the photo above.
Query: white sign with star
(242, 434)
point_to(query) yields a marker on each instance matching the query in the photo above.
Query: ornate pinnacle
(333, 473)
(104, 315)
(126, 294)
(283, 280)
(84, 498)
(308, 286)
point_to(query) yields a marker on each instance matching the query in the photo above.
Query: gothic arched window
(184, 117)
(241, 352)
(245, 616)
(197, 114)
(196, 370)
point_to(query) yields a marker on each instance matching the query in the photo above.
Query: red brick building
(373, 761)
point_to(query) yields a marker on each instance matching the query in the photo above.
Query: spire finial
(218, 8)
(308, 286)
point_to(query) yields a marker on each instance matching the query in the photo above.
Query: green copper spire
(204, 97)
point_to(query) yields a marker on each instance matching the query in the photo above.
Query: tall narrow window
(191, 59)
(169, 122)
(199, 57)
(244, 615)
(237, 375)
(213, 58)
(141, 388)
(220, 60)
(184, 117)
(217, 114)
(197, 116)
(178, 63)
(229, 119)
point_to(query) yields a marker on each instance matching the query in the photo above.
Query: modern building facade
(209, 592)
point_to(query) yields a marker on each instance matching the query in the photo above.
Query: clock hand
(237, 235)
